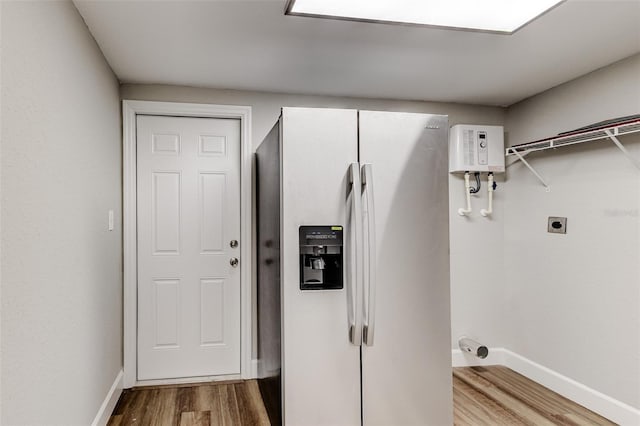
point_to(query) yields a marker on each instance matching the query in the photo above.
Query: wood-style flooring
(482, 396)
(497, 395)
(210, 404)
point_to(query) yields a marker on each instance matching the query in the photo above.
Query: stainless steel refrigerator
(353, 269)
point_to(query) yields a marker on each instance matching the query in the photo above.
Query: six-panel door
(188, 215)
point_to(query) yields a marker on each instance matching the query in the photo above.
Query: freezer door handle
(355, 278)
(370, 254)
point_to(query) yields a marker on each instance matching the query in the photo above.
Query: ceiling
(251, 45)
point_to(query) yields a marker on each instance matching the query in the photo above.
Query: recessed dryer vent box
(476, 149)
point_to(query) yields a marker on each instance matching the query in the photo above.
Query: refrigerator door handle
(355, 326)
(369, 321)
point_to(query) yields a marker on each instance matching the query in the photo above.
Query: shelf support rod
(547, 187)
(511, 161)
(622, 148)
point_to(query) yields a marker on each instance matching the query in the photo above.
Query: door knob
(234, 262)
(233, 243)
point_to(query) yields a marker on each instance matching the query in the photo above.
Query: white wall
(469, 298)
(477, 264)
(266, 106)
(573, 301)
(61, 268)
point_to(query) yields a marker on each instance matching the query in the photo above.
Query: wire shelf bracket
(535, 173)
(593, 133)
(624, 150)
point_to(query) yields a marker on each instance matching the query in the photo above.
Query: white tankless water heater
(476, 149)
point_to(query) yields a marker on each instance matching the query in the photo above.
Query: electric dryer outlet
(557, 225)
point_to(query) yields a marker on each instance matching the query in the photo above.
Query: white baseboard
(595, 401)
(110, 401)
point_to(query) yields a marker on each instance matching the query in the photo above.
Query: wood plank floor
(497, 395)
(482, 396)
(210, 404)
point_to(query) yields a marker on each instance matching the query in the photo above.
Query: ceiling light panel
(503, 16)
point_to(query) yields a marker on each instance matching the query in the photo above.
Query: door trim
(130, 109)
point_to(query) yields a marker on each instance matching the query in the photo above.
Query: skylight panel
(502, 16)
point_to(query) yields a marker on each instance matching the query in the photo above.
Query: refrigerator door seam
(369, 214)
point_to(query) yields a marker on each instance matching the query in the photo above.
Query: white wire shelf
(578, 136)
(609, 131)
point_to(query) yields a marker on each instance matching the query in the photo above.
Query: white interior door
(188, 191)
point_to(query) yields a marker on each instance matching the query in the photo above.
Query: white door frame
(130, 265)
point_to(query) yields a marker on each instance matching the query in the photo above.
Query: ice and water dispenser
(321, 258)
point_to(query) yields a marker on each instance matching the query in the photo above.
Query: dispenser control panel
(321, 258)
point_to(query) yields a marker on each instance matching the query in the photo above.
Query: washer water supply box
(476, 149)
